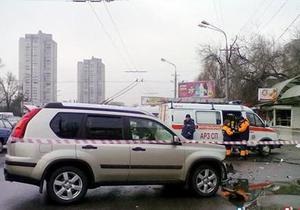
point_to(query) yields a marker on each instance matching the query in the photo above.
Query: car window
(208, 117)
(7, 124)
(251, 119)
(104, 127)
(258, 122)
(67, 125)
(2, 124)
(144, 129)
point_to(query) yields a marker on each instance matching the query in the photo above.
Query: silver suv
(76, 147)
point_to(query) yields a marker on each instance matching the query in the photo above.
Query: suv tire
(67, 185)
(205, 181)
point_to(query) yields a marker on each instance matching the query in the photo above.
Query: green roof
(288, 91)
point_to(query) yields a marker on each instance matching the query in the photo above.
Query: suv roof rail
(96, 107)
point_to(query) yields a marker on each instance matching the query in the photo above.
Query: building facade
(38, 68)
(91, 81)
(285, 111)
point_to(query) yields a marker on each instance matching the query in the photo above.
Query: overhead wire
(252, 16)
(108, 34)
(121, 92)
(119, 35)
(275, 14)
(221, 13)
(216, 11)
(287, 28)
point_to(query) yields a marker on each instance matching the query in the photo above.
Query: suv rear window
(67, 125)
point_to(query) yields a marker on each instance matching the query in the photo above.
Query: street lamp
(175, 75)
(205, 24)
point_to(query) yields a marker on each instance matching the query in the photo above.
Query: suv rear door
(154, 157)
(104, 147)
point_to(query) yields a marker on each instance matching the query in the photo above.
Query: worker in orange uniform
(243, 130)
(227, 135)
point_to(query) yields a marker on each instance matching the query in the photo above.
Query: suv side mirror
(177, 141)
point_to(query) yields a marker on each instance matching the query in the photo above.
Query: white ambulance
(209, 119)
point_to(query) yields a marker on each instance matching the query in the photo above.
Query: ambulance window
(179, 115)
(231, 115)
(258, 122)
(254, 120)
(251, 119)
(208, 117)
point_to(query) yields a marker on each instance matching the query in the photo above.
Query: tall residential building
(91, 81)
(38, 68)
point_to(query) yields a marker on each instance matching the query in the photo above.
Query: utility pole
(175, 75)
(205, 24)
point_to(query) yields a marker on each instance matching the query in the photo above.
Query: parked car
(76, 147)
(5, 130)
(13, 120)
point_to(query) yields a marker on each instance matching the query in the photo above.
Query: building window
(283, 117)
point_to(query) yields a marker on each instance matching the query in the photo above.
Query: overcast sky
(150, 29)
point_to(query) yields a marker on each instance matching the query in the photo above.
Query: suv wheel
(67, 185)
(205, 181)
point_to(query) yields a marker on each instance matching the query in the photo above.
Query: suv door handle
(89, 147)
(139, 149)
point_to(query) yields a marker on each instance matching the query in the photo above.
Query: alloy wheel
(206, 181)
(67, 185)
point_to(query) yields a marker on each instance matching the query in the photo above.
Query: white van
(209, 119)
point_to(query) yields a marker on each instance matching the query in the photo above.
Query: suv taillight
(20, 128)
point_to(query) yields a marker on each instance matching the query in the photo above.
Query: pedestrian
(227, 135)
(188, 129)
(243, 132)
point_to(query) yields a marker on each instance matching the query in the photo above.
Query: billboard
(267, 94)
(153, 100)
(202, 89)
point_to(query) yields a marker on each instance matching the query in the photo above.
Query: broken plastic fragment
(275, 188)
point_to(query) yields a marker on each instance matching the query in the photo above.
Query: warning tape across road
(249, 143)
(97, 141)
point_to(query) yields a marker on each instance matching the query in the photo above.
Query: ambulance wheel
(264, 150)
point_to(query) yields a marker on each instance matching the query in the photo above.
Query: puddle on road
(277, 196)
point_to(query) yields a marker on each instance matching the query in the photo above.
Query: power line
(275, 14)
(287, 28)
(119, 35)
(107, 33)
(252, 15)
(121, 92)
(221, 13)
(216, 11)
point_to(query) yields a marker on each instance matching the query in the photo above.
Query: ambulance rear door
(209, 125)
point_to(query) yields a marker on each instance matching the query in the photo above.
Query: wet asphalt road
(282, 165)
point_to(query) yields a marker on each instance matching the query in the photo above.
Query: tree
(8, 89)
(256, 63)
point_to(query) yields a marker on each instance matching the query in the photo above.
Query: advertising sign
(202, 89)
(153, 100)
(267, 94)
